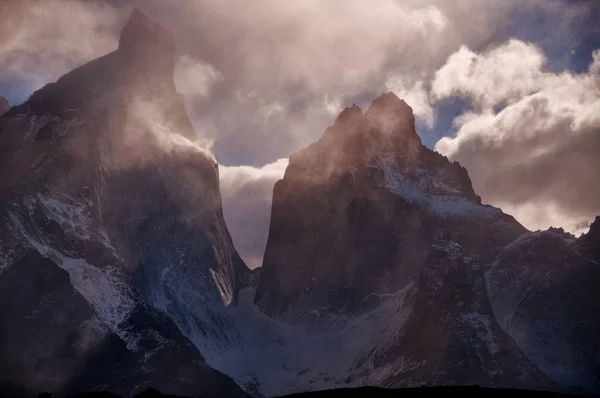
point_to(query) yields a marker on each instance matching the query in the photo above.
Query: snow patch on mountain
(10, 253)
(335, 351)
(74, 217)
(427, 189)
(225, 289)
(105, 289)
(183, 294)
(221, 244)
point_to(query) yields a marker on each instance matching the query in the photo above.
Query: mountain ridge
(110, 197)
(382, 266)
(366, 212)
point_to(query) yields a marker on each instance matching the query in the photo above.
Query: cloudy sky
(509, 88)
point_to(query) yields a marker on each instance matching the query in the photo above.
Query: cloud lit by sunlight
(263, 80)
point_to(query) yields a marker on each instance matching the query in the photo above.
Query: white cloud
(195, 78)
(247, 193)
(537, 155)
(233, 178)
(311, 58)
(536, 216)
(504, 74)
(289, 54)
(266, 78)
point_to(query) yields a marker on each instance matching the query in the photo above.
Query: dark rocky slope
(368, 200)
(544, 291)
(114, 252)
(368, 215)
(427, 392)
(4, 107)
(372, 392)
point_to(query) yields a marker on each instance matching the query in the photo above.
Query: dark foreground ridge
(365, 392)
(468, 391)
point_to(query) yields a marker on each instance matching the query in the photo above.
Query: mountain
(4, 107)
(382, 246)
(114, 251)
(366, 190)
(371, 392)
(544, 291)
(382, 268)
(425, 392)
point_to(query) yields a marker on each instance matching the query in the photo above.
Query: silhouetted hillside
(374, 392)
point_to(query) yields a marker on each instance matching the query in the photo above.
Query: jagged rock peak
(595, 225)
(349, 113)
(590, 241)
(594, 232)
(383, 138)
(141, 67)
(394, 117)
(141, 32)
(389, 118)
(4, 106)
(387, 110)
(391, 103)
(358, 138)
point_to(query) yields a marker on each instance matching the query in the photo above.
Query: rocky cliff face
(116, 265)
(361, 208)
(544, 292)
(371, 227)
(4, 107)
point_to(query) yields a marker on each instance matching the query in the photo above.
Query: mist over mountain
(367, 216)
(383, 267)
(111, 231)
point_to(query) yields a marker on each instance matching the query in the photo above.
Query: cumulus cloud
(266, 79)
(289, 67)
(504, 74)
(246, 194)
(194, 77)
(263, 79)
(532, 140)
